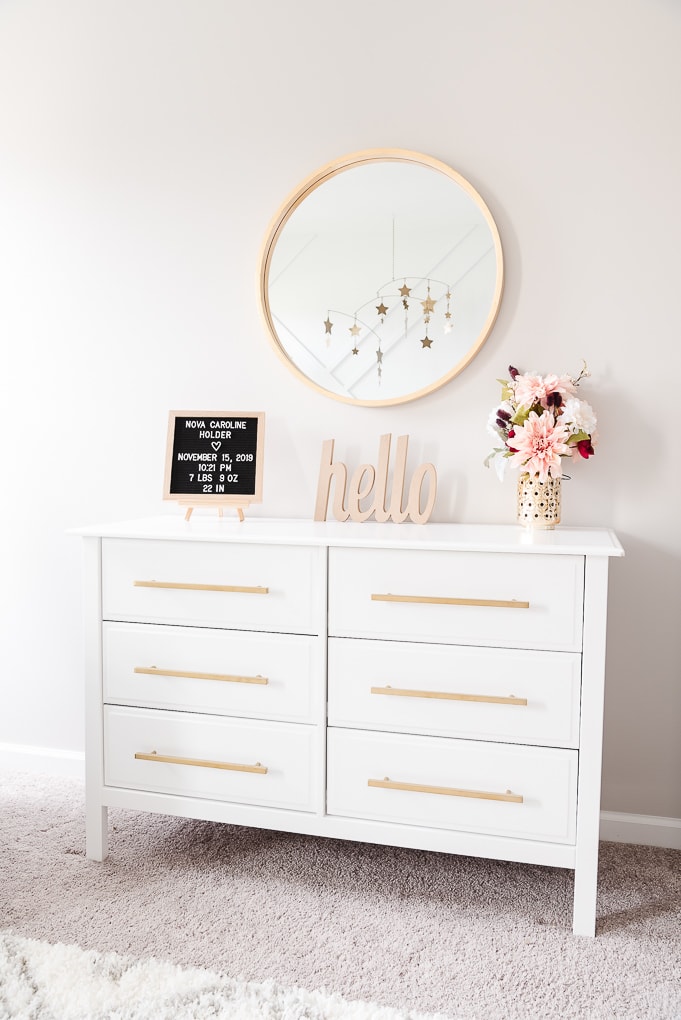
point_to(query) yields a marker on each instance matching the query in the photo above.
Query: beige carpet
(408, 929)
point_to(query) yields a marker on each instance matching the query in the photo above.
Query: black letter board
(214, 457)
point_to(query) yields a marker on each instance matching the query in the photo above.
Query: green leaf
(521, 416)
(490, 456)
(579, 437)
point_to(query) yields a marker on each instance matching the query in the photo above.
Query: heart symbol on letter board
(216, 446)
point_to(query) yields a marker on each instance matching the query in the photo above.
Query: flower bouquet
(539, 423)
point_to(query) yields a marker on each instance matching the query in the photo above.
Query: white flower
(578, 416)
(499, 460)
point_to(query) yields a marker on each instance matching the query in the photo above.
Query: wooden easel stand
(220, 507)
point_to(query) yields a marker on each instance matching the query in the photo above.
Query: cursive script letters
(367, 480)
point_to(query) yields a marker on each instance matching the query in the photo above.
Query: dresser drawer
(496, 789)
(496, 599)
(271, 764)
(244, 587)
(445, 690)
(264, 676)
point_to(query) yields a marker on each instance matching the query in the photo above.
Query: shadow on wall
(643, 694)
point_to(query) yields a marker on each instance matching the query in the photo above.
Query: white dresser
(438, 687)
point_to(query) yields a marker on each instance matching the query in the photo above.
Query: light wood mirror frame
(300, 255)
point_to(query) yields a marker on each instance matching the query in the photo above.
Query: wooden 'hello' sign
(215, 458)
(368, 490)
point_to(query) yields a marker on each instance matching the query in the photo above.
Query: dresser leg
(586, 886)
(96, 832)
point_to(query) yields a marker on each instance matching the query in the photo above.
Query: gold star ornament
(381, 309)
(328, 325)
(426, 342)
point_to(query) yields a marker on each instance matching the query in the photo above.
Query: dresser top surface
(432, 536)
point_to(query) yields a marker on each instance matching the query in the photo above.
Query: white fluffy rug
(39, 981)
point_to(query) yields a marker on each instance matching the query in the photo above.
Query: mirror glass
(381, 277)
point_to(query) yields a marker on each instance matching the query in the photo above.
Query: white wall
(144, 147)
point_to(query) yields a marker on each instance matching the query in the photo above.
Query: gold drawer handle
(446, 791)
(486, 699)
(201, 587)
(155, 671)
(200, 763)
(436, 600)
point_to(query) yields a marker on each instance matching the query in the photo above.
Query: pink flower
(536, 389)
(539, 445)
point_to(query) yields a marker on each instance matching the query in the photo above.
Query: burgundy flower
(504, 415)
(585, 448)
(513, 372)
(554, 400)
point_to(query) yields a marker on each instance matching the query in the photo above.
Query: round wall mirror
(381, 277)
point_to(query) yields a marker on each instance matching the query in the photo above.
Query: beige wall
(144, 147)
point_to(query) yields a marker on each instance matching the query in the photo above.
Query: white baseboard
(648, 830)
(47, 760)
(616, 826)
